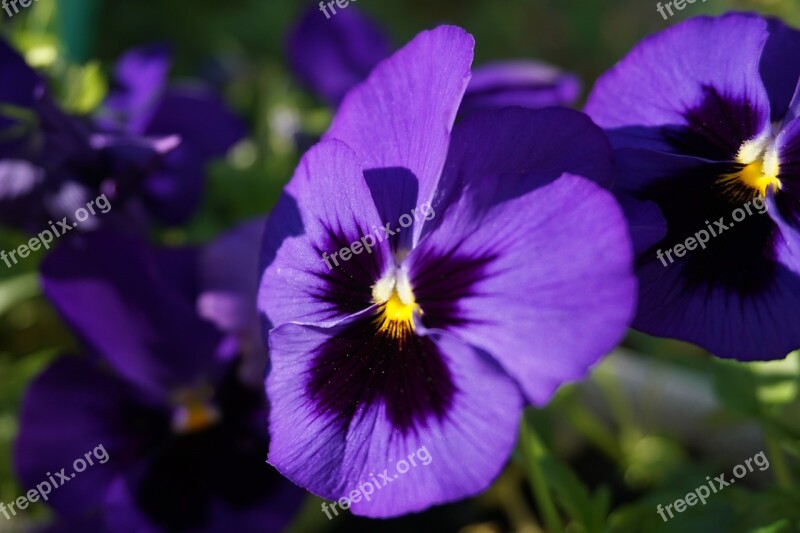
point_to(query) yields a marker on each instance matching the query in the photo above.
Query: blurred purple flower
(519, 281)
(704, 120)
(149, 161)
(141, 104)
(529, 84)
(331, 56)
(161, 390)
(228, 298)
(52, 163)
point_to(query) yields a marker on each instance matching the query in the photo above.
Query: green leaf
(588, 510)
(781, 526)
(736, 386)
(17, 289)
(777, 380)
(84, 88)
(546, 473)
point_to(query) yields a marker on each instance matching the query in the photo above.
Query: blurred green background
(650, 424)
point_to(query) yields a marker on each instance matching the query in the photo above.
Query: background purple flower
(51, 163)
(331, 56)
(161, 390)
(703, 121)
(149, 160)
(141, 103)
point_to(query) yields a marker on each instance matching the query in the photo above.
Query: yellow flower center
(194, 411)
(758, 175)
(397, 317)
(397, 305)
(754, 177)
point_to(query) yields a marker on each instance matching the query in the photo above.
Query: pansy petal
(178, 267)
(331, 55)
(780, 68)
(229, 311)
(401, 117)
(140, 77)
(528, 84)
(173, 193)
(22, 85)
(163, 171)
(273, 516)
(729, 295)
(788, 148)
(327, 207)
(236, 490)
(645, 222)
(542, 282)
(91, 412)
(696, 85)
(108, 287)
(746, 327)
(230, 263)
(333, 454)
(201, 120)
(229, 278)
(518, 143)
(694, 203)
(786, 240)
(638, 169)
(21, 192)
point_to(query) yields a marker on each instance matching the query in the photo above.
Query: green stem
(508, 496)
(777, 460)
(533, 450)
(618, 402)
(595, 431)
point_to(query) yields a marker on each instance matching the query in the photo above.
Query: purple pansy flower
(148, 161)
(52, 163)
(142, 104)
(704, 123)
(229, 294)
(161, 391)
(517, 279)
(332, 55)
